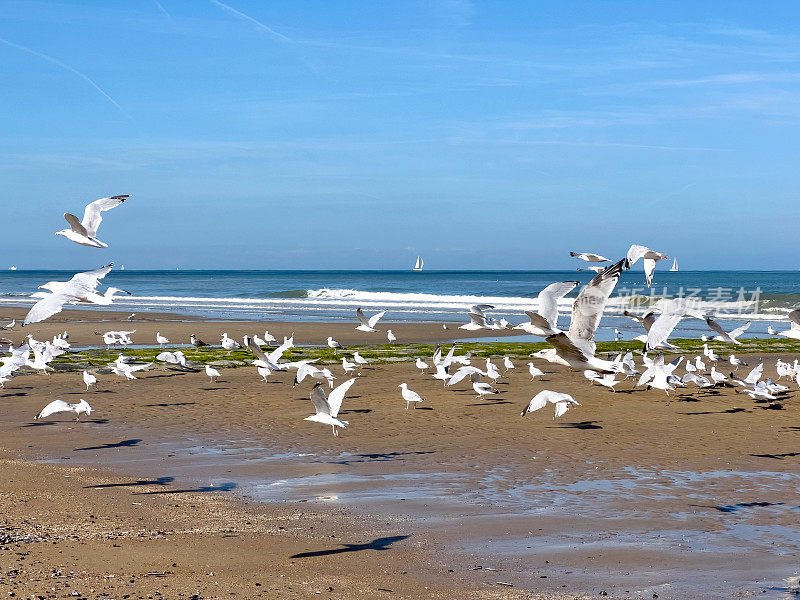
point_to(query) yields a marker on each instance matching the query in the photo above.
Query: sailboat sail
(674, 265)
(419, 264)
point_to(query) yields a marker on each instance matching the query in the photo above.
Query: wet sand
(632, 494)
(83, 326)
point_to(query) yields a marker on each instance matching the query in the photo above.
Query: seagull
(698, 380)
(508, 364)
(131, 317)
(358, 359)
(463, 373)
(328, 408)
(57, 406)
(724, 336)
(409, 395)
(268, 337)
(9, 326)
(332, 343)
(482, 389)
(544, 322)
(211, 372)
(710, 354)
(771, 330)
(421, 365)
(10, 364)
(229, 344)
(716, 376)
(259, 341)
(348, 366)
(562, 402)
(589, 257)
(752, 377)
(491, 371)
(672, 311)
(89, 379)
(77, 289)
(736, 362)
(107, 297)
(700, 365)
(127, 370)
(609, 379)
(173, 358)
(84, 232)
(660, 376)
(534, 371)
(160, 339)
(196, 342)
(649, 258)
(596, 269)
(263, 372)
(391, 337)
(441, 374)
(794, 331)
(368, 324)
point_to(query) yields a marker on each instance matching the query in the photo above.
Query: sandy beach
(173, 478)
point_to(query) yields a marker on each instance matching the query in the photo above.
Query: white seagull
(562, 402)
(57, 406)
(421, 365)
(794, 331)
(410, 396)
(211, 372)
(332, 343)
(89, 379)
(368, 325)
(725, 336)
(544, 322)
(589, 257)
(328, 408)
(391, 337)
(85, 232)
(534, 371)
(482, 389)
(649, 258)
(348, 366)
(508, 363)
(160, 339)
(80, 288)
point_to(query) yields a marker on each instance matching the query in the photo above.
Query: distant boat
(122, 267)
(674, 265)
(419, 264)
(13, 268)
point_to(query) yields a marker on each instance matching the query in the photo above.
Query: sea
(733, 297)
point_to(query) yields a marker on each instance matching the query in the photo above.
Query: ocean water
(765, 297)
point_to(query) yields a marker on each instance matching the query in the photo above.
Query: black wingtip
(573, 254)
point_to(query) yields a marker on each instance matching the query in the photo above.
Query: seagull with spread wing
(368, 325)
(562, 402)
(57, 406)
(726, 336)
(649, 258)
(794, 331)
(85, 232)
(328, 407)
(589, 257)
(543, 322)
(80, 288)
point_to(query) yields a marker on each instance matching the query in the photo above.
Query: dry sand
(690, 496)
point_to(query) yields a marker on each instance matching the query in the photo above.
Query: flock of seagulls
(574, 347)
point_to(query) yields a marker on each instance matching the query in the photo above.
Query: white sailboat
(13, 268)
(674, 266)
(419, 264)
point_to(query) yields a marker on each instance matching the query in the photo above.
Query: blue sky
(335, 134)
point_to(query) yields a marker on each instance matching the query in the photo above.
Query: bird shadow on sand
(222, 487)
(496, 402)
(734, 508)
(158, 481)
(777, 456)
(164, 404)
(791, 428)
(72, 421)
(355, 411)
(122, 444)
(717, 412)
(215, 389)
(377, 457)
(577, 425)
(383, 543)
(175, 374)
(13, 394)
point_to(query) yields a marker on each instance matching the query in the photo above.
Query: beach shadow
(46, 423)
(423, 408)
(13, 394)
(377, 457)
(717, 412)
(166, 375)
(163, 404)
(214, 389)
(223, 487)
(159, 481)
(353, 411)
(733, 508)
(495, 403)
(791, 428)
(122, 444)
(383, 543)
(578, 425)
(777, 456)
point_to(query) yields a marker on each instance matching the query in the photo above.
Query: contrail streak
(66, 67)
(255, 22)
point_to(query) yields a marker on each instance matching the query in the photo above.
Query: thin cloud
(66, 67)
(162, 9)
(255, 22)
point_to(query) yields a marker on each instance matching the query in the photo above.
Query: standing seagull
(85, 232)
(57, 406)
(211, 372)
(332, 343)
(196, 342)
(368, 324)
(409, 395)
(160, 339)
(328, 408)
(391, 337)
(89, 379)
(561, 401)
(534, 371)
(482, 389)
(421, 365)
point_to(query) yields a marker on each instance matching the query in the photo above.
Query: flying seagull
(561, 401)
(589, 257)
(328, 408)
(544, 321)
(84, 232)
(649, 258)
(80, 288)
(368, 324)
(724, 336)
